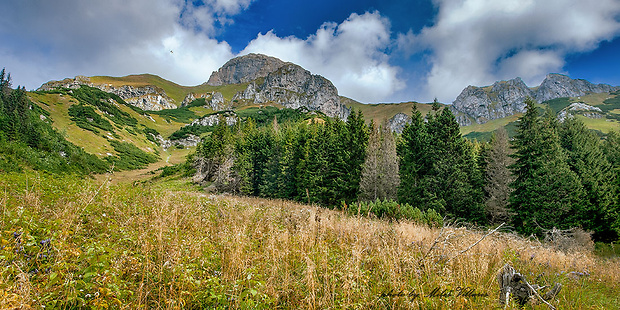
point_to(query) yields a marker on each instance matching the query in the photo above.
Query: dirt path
(174, 157)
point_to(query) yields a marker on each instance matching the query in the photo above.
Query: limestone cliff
(505, 98)
(148, 98)
(245, 69)
(558, 86)
(398, 122)
(214, 100)
(502, 99)
(293, 87)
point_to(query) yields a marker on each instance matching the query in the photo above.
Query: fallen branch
(475, 243)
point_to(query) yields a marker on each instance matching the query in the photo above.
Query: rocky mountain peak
(293, 87)
(559, 86)
(502, 99)
(245, 69)
(505, 98)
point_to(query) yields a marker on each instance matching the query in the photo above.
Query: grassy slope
(147, 246)
(173, 90)
(376, 112)
(384, 111)
(58, 106)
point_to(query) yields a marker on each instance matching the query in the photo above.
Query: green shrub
(391, 209)
(86, 118)
(129, 156)
(433, 218)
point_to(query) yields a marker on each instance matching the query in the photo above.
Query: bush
(391, 209)
(86, 118)
(129, 156)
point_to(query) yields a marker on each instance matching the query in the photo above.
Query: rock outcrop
(559, 86)
(293, 87)
(214, 119)
(580, 108)
(72, 83)
(189, 141)
(505, 98)
(148, 98)
(215, 100)
(245, 69)
(397, 122)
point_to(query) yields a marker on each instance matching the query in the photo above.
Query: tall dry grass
(137, 247)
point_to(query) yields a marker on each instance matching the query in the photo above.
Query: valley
(252, 191)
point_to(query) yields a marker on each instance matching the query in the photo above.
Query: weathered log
(513, 283)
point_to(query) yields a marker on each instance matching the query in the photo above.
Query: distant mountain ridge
(256, 79)
(505, 98)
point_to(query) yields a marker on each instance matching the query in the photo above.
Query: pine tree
(414, 161)
(586, 159)
(611, 148)
(546, 192)
(498, 177)
(355, 141)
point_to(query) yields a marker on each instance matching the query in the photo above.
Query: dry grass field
(81, 243)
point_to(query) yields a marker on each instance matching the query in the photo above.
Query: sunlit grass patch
(87, 243)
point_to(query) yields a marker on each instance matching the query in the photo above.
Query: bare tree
(498, 177)
(380, 177)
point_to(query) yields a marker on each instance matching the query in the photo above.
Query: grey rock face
(558, 86)
(189, 141)
(148, 98)
(461, 118)
(506, 98)
(213, 120)
(72, 83)
(503, 99)
(245, 69)
(215, 100)
(580, 108)
(293, 87)
(397, 122)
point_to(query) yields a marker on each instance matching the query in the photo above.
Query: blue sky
(373, 51)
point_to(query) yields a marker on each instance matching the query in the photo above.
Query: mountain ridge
(255, 78)
(505, 98)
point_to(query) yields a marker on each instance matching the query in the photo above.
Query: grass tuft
(72, 243)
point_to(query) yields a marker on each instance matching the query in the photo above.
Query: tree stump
(513, 283)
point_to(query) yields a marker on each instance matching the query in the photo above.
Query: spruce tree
(454, 179)
(370, 187)
(355, 141)
(611, 148)
(586, 159)
(547, 193)
(414, 161)
(389, 163)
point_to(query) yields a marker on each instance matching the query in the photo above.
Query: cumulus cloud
(476, 42)
(352, 54)
(57, 39)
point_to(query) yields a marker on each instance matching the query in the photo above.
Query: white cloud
(58, 39)
(476, 42)
(230, 7)
(351, 54)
